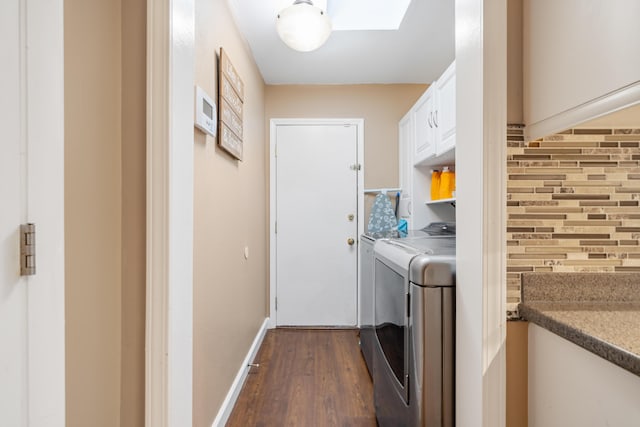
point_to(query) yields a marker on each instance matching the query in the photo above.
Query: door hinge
(27, 249)
(276, 227)
(276, 303)
(356, 167)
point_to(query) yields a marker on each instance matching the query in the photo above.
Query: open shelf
(447, 158)
(439, 201)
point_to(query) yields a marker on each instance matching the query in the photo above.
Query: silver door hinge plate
(27, 249)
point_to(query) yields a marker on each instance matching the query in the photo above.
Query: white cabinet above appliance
(445, 117)
(435, 120)
(427, 138)
(424, 125)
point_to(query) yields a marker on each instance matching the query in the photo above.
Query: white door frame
(44, 115)
(169, 314)
(274, 123)
(481, 212)
(40, 111)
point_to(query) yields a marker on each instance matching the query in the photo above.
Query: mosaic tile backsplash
(572, 203)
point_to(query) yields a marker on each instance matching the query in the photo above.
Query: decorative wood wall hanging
(230, 107)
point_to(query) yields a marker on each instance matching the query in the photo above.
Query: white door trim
(274, 123)
(44, 60)
(481, 212)
(170, 80)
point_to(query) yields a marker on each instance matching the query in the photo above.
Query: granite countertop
(598, 312)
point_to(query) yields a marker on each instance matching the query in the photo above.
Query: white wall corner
(481, 212)
(169, 323)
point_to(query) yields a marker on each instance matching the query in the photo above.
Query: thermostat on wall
(206, 116)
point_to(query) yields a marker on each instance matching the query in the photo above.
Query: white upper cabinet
(425, 135)
(445, 115)
(427, 139)
(435, 120)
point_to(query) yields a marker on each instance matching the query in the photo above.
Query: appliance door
(391, 323)
(432, 355)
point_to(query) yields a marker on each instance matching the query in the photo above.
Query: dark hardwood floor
(307, 378)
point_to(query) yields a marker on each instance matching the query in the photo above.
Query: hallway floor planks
(307, 377)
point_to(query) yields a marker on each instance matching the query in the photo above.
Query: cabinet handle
(429, 119)
(435, 118)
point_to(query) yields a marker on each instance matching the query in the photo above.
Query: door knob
(350, 241)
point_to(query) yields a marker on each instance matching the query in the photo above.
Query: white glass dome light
(303, 26)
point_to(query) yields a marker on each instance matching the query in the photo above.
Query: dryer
(414, 325)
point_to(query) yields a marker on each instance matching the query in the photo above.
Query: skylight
(348, 15)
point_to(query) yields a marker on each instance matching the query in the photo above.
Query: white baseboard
(230, 400)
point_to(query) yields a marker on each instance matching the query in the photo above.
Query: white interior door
(316, 215)
(31, 190)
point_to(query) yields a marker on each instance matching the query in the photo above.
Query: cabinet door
(445, 113)
(405, 153)
(425, 146)
(405, 164)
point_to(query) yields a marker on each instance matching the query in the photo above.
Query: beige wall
(574, 54)
(104, 211)
(517, 374)
(626, 118)
(92, 211)
(229, 214)
(133, 295)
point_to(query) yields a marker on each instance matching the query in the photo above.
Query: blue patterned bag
(382, 217)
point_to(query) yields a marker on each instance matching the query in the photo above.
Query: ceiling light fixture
(303, 26)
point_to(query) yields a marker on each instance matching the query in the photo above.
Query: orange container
(435, 184)
(447, 183)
